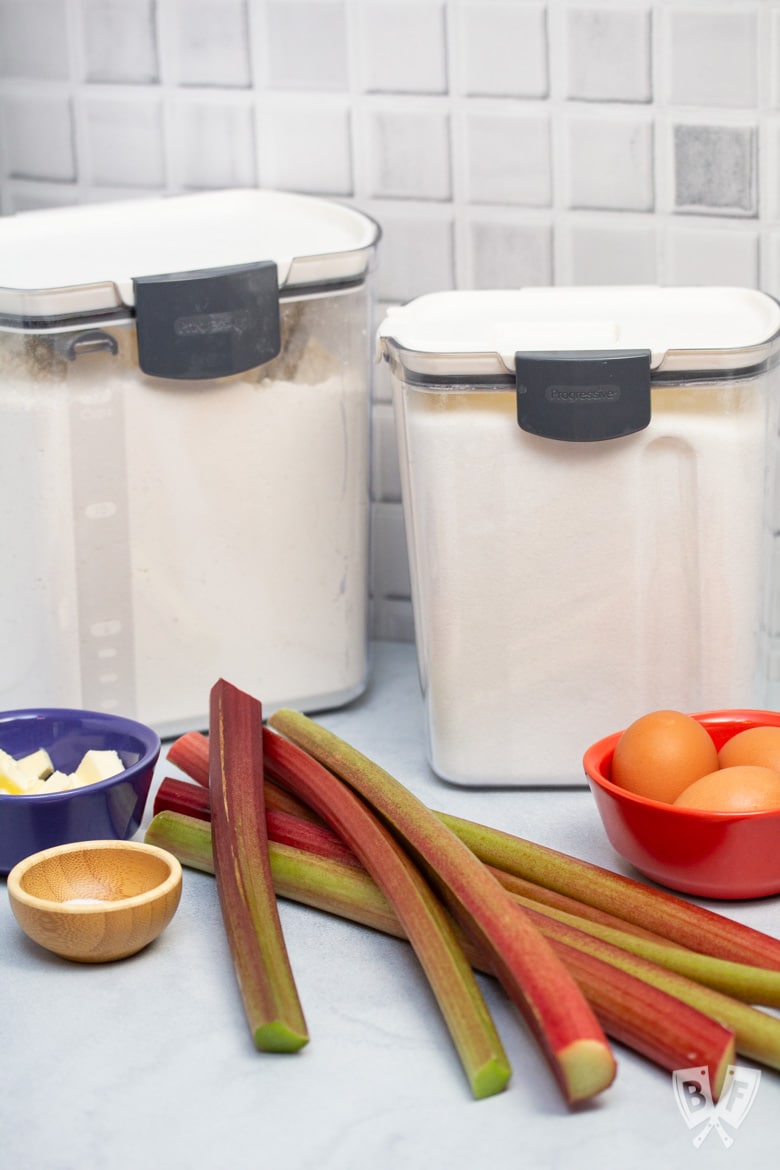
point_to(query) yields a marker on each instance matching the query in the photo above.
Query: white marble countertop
(149, 1061)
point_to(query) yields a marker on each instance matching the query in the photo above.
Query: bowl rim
(150, 739)
(115, 906)
(601, 752)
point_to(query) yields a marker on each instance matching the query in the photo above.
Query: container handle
(89, 342)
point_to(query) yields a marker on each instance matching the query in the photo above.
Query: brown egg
(741, 788)
(757, 745)
(660, 754)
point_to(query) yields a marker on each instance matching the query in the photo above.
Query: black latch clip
(209, 323)
(583, 396)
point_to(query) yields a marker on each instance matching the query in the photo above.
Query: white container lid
(476, 334)
(67, 262)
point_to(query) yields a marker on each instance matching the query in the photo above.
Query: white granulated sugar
(563, 589)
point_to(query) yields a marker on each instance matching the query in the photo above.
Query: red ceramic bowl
(709, 854)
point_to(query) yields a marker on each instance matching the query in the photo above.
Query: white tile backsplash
(609, 252)
(303, 44)
(712, 54)
(408, 153)
(306, 146)
(770, 33)
(416, 255)
(770, 268)
(123, 141)
(502, 48)
(608, 55)
(507, 254)
(389, 568)
(392, 619)
(209, 42)
(507, 156)
(402, 49)
(385, 471)
(31, 195)
(119, 41)
(610, 161)
(496, 142)
(34, 40)
(38, 134)
(716, 254)
(716, 168)
(229, 129)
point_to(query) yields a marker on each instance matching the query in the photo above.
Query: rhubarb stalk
(181, 796)
(243, 872)
(288, 828)
(190, 753)
(283, 818)
(757, 1032)
(648, 1020)
(756, 985)
(329, 884)
(655, 910)
(423, 919)
(553, 1005)
(640, 906)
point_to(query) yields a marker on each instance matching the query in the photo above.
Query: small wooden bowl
(95, 901)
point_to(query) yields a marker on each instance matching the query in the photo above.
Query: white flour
(166, 534)
(562, 589)
(250, 559)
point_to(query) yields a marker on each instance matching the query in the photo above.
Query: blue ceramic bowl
(109, 809)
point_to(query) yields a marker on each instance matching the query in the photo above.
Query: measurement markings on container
(102, 549)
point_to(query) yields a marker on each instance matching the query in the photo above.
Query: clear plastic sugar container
(588, 482)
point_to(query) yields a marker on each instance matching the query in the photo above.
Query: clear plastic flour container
(588, 491)
(184, 398)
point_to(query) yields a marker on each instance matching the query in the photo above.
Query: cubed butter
(13, 778)
(37, 765)
(57, 782)
(98, 765)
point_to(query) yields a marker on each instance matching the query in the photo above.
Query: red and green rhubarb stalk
(554, 1007)
(650, 1020)
(655, 910)
(191, 799)
(756, 985)
(190, 753)
(328, 884)
(175, 795)
(641, 907)
(423, 919)
(180, 796)
(243, 872)
(757, 1032)
(644, 1018)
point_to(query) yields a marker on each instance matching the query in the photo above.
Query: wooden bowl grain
(95, 901)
